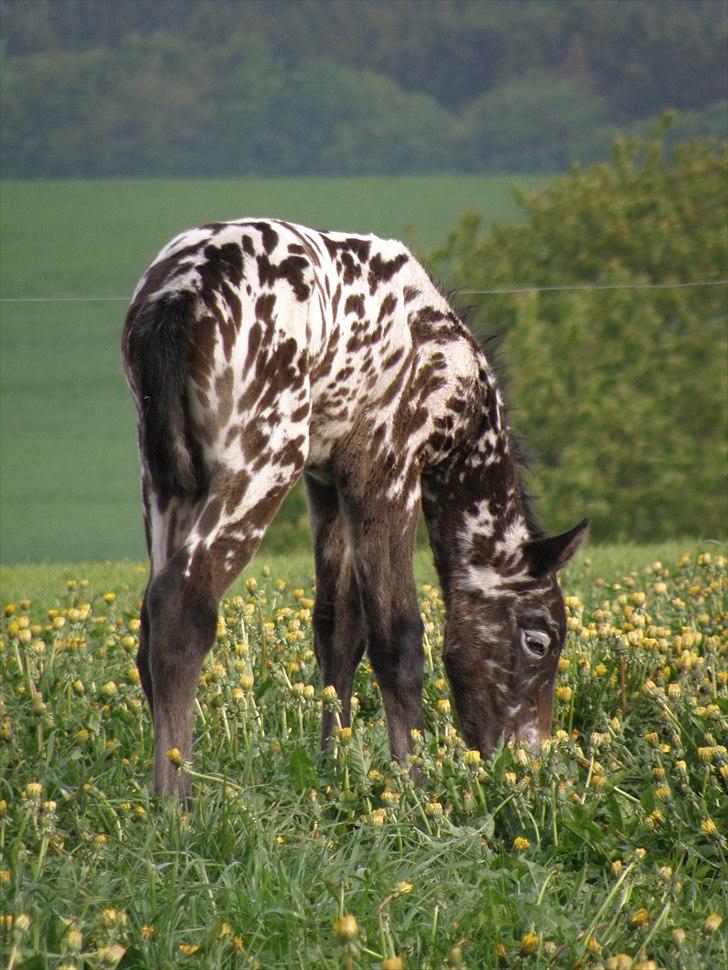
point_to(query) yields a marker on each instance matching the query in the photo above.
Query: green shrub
(621, 392)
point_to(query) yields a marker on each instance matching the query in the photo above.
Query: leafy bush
(622, 392)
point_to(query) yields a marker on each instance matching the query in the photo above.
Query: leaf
(301, 770)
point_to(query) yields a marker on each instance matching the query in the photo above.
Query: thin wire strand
(598, 286)
(468, 292)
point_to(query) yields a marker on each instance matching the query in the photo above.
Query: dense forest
(212, 87)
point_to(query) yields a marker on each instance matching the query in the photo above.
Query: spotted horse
(257, 351)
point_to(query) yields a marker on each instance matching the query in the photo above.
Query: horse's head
(504, 635)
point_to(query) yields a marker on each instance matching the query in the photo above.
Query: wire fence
(499, 291)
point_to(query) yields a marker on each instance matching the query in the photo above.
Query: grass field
(68, 478)
(608, 850)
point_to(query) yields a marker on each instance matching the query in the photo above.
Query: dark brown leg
(142, 657)
(337, 621)
(182, 621)
(383, 538)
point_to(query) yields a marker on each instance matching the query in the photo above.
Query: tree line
(220, 87)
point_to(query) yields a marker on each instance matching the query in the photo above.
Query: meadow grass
(607, 850)
(64, 405)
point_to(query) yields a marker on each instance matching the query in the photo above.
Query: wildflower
(22, 923)
(74, 940)
(563, 694)
(109, 689)
(708, 826)
(110, 954)
(663, 793)
(472, 757)
(712, 922)
(4, 875)
(175, 756)
(443, 705)
(500, 952)
(189, 948)
(529, 942)
(344, 735)
(616, 867)
(33, 790)
(592, 945)
(622, 961)
(329, 693)
(147, 931)
(433, 808)
(246, 681)
(404, 887)
(392, 963)
(640, 917)
(520, 844)
(377, 816)
(109, 597)
(346, 927)
(9, 609)
(678, 936)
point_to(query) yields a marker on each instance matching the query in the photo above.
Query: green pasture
(605, 852)
(68, 477)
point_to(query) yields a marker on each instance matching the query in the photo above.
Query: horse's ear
(553, 552)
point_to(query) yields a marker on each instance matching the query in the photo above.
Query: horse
(259, 351)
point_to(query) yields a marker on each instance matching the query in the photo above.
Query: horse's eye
(536, 643)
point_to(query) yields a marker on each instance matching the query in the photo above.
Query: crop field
(606, 849)
(67, 424)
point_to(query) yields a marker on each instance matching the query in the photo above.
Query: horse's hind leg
(182, 609)
(182, 601)
(338, 626)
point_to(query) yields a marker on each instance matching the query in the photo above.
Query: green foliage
(138, 87)
(608, 842)
(621, 392)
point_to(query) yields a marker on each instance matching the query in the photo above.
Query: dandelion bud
(33, 790)
(175, 757)
(708, 826)
(344, 735)
(346, 927)
(529, 942)
(392, 963)
(22, 923)
(622, 961)
(74, 940)
(712, 922)
(433, 808)
(678, 936)
(329, 693)
(472, 757)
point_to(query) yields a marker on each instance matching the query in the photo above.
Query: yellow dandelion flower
(189, 948)
(443, 705)
(392, 963)
(520, 844)
(640, 917)
(147, 931)
(109, 597)
(529, 942)
(708, 827)
(472, 757)
(563, 694)
(175, 756)
(33, 789)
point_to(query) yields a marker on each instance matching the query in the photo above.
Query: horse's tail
(156, 345)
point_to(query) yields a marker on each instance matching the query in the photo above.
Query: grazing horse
(258, 350)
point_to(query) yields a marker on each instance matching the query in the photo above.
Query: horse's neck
(473, 500)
